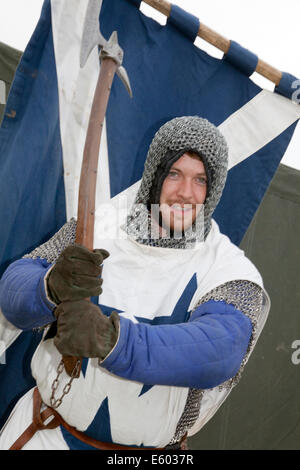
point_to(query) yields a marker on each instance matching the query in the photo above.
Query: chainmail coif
(185, 134)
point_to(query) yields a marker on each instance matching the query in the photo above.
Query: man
(179, 313)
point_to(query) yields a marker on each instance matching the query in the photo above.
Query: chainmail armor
(51, 250)
(187, 133)
(247, 297)
(189, 416)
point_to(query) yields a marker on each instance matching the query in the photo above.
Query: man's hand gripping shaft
(82, 329)
(76, 274)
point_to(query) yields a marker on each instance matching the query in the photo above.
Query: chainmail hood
(176, 137)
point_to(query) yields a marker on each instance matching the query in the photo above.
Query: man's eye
(201, 180)
(173, 174)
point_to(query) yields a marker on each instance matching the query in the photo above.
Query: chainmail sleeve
(51, 249)
(247, 297)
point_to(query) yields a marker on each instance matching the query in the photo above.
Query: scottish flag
(46, 116)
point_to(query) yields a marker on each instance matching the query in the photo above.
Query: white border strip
(76, 90)
(257, 123)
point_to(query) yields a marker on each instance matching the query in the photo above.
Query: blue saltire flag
(43, 130)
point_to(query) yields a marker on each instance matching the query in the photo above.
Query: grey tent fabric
(263, 411)
(9, 59)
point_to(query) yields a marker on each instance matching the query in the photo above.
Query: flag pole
(218, 41)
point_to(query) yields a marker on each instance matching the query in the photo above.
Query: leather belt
(40, 421)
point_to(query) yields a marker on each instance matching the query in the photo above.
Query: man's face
(183, 192)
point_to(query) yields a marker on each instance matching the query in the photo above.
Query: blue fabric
(202, 353)
(23, 299)
(180, 313)
(242, 58)
(185, 22)
(246, 180)
(136, 2)
(287, 85)
(74, 443)
(98, 429)
(32, 201)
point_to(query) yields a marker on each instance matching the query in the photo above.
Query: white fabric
(8, 334)
(19, 419)
(128, 274)
(256, 124)
(76, 88)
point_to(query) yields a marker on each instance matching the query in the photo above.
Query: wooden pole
(89, 169)
(219, 41)
(88, 178)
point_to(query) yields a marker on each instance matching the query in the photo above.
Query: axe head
(92, 37)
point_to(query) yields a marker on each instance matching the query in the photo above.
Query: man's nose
(184, 190)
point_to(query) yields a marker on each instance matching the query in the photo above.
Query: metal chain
(56, 402)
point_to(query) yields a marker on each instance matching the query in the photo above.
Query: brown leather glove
(84, 331)
(76, 274)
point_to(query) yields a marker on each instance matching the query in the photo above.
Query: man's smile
(181, 209)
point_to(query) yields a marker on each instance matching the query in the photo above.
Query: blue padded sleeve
(23, 299)
(202, 353)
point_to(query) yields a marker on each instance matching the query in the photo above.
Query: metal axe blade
(92, 37)
(122, 74)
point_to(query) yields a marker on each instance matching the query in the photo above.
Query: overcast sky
(268, 28)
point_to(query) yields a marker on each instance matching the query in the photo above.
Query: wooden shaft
(214, 38)
(88, 178)
(269, 72)
(89, 169)
(218, 41)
